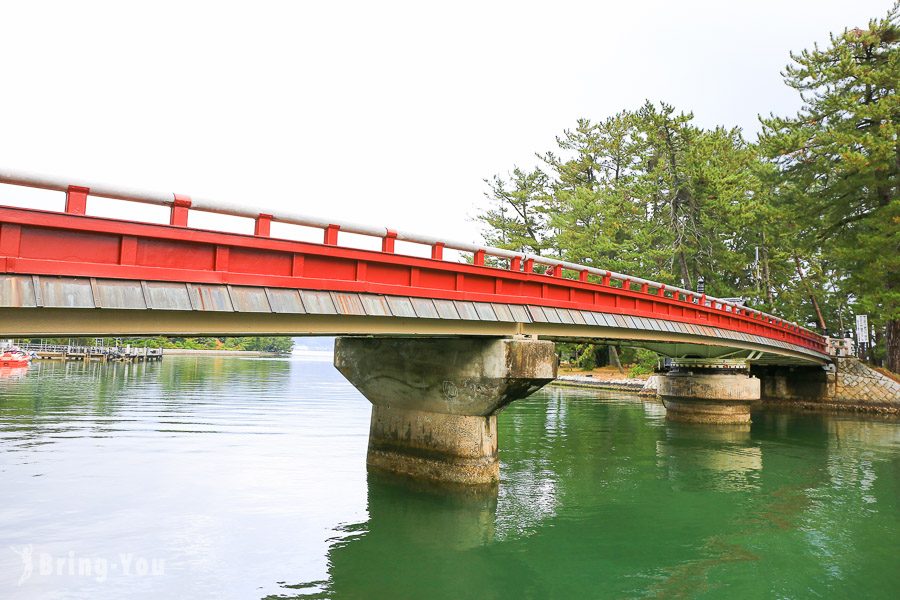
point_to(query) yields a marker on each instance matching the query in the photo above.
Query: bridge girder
(95, 307)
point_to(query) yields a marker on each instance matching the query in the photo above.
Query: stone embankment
(850, 385)
(640, 386)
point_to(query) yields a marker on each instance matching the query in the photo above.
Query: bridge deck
(57, 270)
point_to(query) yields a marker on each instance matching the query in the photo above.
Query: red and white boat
(14, 359)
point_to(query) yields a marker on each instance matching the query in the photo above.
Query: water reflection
(653, 408)
(411, 528)
(723, 457)
(193, 460)
(13, 372)
(248, 478)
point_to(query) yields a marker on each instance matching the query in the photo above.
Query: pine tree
(665, 185)
(839, 160)
(593, 215)
(517, 219)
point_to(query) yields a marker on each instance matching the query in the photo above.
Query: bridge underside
(42, 306)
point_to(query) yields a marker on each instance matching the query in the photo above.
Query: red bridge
(448, 344)
(70, 273)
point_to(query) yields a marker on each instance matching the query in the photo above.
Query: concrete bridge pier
(719, 392)
(435, 400)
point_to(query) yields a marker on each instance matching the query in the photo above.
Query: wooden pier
(100, 353)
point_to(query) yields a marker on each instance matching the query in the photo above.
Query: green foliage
(838, 165)
(277, 345)
(517, 219)
(589, 356)
(837, 174)
(644, 192)
(643, 363)
(638, 371)
(805, 223)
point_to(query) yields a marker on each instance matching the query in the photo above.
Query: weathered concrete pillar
(699, 395)
(435, 400)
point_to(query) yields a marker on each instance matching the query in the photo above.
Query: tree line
(274, 344)
(803, 221)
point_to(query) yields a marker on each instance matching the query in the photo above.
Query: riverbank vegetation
(276, 345)
(802, 221)
(627, 362)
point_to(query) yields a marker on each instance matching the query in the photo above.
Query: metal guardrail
(76, 202)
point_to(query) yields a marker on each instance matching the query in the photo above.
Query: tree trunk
(812, 296)
(767, 278)
(614, 359)
(893, 345)
(685, 272)
(876, 343)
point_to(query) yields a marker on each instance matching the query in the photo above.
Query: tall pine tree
(839, 160)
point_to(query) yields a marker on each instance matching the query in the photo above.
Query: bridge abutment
(435, 400)
(709, 394)
(847, 385)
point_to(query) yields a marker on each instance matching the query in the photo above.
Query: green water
(245, 478)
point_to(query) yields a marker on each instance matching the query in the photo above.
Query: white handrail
(104, 190)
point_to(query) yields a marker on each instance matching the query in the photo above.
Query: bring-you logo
(39, 564)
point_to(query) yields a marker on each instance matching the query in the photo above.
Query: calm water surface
(245, 478)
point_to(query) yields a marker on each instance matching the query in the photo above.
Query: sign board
(862, 329)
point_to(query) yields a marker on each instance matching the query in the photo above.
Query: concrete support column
(708, 395)
(435, 400)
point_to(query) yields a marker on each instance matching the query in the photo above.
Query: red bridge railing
(578, 281)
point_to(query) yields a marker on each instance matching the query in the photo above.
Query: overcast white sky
(385, 113)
